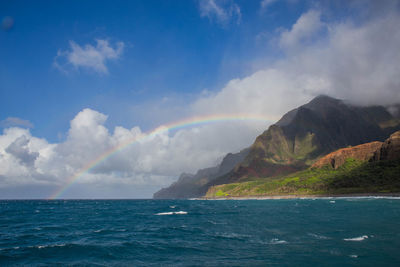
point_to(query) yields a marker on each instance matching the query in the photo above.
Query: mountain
(368, 168)
(195, 185)
(306, 133)
(294, 143)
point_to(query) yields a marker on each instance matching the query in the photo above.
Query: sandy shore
(383, 195)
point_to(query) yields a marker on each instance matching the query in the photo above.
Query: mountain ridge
(295, 142)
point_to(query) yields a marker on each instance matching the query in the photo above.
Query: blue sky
(79, 77)
(169, 51)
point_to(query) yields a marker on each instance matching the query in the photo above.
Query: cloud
(305, 27)
(222, 11)
(88, 56)
(14, 121)
(151, 162)
(266, 3)
(353, 61)
(19, 149)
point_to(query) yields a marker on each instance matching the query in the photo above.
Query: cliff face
(373, 151)
(390, 149)
(336, 159)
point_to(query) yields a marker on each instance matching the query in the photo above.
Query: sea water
(288, 232)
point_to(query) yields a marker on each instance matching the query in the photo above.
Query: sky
(90, 90)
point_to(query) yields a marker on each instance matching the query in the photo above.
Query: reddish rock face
(361, 152)
(390, 149)
(374, 151)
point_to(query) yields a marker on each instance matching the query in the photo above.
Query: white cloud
(88, 56)
(305, 27)
(152, 161)
(348, 61)
(14, 121)
(266, 3)
(221, 11)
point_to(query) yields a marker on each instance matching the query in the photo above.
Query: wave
(318, 236)
(277, 241)
(181, 212)
(359, 238)
(370, 197)
(48, 246)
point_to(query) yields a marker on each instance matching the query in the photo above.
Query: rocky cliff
(337, 158)
(373, 151)
(390, 149)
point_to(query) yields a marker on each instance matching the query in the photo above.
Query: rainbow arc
(186, 123)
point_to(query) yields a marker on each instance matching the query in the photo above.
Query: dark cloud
(19, 149)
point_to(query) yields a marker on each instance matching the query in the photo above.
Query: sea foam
(277, 241)
(359, 238)
(172, 213)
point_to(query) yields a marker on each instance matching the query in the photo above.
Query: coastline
(360, 195)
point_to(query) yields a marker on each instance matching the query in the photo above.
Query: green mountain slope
(358, 172)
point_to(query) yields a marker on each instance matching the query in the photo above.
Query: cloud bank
(152, 161)
(356, 62)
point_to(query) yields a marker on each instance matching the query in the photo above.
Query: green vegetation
(352, 177)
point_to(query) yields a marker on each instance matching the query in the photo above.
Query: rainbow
(189, 122)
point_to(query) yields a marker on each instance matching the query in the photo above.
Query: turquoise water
(296, 232)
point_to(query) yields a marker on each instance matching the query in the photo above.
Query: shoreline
(361, 195)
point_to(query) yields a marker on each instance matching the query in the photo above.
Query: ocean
(286, 232)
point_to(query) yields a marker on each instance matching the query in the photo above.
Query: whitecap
(50, 246)
(232, 235)
(181, 212)
(355, 239)
(165, 213)
(332, 201)
(353, 256)
(172, 213)
(277, 241)
(172, 207)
